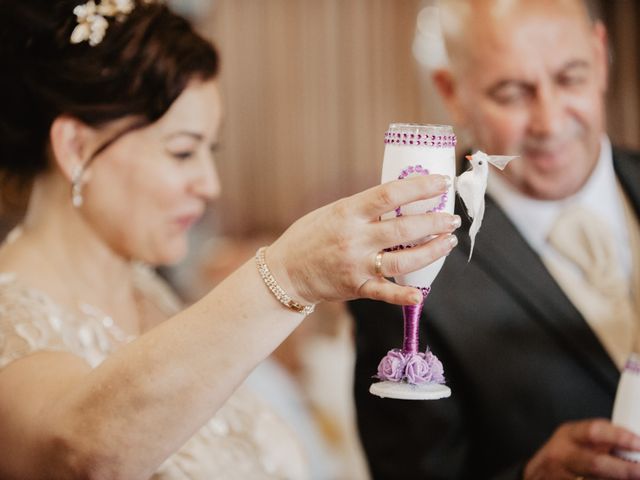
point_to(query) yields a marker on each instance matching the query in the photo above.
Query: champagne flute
(626, 408)
(411, 150)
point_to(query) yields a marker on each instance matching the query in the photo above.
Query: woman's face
(146, 190)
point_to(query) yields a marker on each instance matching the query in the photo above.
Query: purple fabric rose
(417, 370)
(414, 368)
(436, 370)
(391, 367)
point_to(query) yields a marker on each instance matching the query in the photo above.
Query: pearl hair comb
(92, 18)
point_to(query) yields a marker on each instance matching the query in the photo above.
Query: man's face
(533, 85)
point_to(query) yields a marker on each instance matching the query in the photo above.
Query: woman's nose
(207, 184)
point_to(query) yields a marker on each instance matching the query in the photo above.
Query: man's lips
(548, 158)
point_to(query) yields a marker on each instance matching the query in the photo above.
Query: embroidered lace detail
(30, 321)
(243, 440)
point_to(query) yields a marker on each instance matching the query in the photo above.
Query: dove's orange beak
(468, 157)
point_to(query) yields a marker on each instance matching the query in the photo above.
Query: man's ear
(69, 139)
(602, 53)
(447, 87)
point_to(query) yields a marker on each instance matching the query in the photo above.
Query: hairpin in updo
(92, 24)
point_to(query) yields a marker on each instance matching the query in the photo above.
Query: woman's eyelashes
(184, 152)
(182, 155)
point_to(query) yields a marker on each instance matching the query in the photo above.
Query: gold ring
(579, 477)
(378, 264)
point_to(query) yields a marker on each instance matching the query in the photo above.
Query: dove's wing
(465, 188)
(471, 186)
(475, 226)
(500, 161)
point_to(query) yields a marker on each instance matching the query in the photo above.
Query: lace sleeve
(29, 322)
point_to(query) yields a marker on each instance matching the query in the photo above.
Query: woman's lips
(186, 221)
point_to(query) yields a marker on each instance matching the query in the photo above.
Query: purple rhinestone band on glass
(420, 170)
(633, 366)
(418, 139)
(424, 290)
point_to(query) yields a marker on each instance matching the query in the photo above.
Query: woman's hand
(330, 254)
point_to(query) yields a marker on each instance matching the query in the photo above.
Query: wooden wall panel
(309, 89)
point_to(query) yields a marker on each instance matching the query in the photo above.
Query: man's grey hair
(440, 21)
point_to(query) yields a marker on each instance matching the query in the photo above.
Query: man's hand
(583, 450)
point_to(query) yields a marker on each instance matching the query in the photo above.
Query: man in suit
(532, 349)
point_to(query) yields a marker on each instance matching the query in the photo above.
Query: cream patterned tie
(601, 293)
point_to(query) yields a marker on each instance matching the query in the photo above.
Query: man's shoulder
(626, 155)
(627, 166)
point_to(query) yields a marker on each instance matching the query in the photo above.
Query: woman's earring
(76, 187)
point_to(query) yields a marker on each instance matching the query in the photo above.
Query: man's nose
(546, 113)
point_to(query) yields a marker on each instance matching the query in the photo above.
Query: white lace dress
(244, 440)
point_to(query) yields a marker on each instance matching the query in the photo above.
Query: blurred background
(309, 88)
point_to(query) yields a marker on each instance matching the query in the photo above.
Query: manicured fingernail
(416, 298)
(456, 222)
(453, 240)
(447, 182)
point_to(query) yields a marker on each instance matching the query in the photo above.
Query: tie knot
(584, 239)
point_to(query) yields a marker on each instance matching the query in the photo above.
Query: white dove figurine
(472, 184)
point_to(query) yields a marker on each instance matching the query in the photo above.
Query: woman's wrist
(276, 278)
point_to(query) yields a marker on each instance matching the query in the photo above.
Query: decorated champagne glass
(410, 150)
(626, 407)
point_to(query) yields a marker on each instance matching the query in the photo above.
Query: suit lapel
(627, 167)
(501, 251)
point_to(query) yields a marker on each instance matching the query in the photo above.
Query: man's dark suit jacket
(518, 356)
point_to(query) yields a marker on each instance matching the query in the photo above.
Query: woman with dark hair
(110, 113)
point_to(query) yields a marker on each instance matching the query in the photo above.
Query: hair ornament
(92, 18)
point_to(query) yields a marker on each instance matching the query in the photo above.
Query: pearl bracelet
(276, 289)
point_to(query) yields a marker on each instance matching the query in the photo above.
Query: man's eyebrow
(575, 63)
(493, 89)
(578, 64)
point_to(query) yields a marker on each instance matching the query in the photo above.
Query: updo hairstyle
(143, 63)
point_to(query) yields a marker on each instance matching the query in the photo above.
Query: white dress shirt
(611, 318)
(534, 218)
